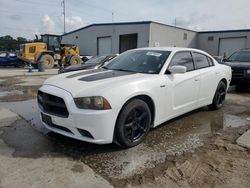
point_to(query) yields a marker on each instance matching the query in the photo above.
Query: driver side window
(183, 59)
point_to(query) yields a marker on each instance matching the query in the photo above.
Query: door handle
(196, 79)
(217, 73)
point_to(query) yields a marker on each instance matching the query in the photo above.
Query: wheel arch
(224, 80)
(147, 99)
(44, 53)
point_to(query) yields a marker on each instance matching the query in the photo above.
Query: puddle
(10, 93)
(24, 93)
(32, 81)
(29, 111)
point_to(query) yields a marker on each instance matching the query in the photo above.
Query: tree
(21, 40)
(8, 43)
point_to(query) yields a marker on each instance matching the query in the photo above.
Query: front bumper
(240, 76)
(99, 123)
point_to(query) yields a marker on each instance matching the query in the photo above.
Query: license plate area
(46, 119)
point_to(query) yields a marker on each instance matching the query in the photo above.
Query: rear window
(210, 61)
(200, 60)
(183, 59)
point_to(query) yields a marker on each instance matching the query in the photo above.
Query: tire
(219, 96)
(20, 64)
(75, 60)
(48, 61)
(240, 87)
(133, 124)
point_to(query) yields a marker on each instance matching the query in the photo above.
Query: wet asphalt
(181, 135)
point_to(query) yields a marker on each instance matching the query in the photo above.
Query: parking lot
(197, 149)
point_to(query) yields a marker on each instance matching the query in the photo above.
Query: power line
(44, 3)
(27, 13)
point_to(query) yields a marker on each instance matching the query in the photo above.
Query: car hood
(240, 65)
(80, 67)
(94, 81)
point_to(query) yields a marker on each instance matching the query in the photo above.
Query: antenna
(113, 15)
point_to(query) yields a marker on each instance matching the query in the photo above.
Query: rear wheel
(219, 96)
(133, 124)
(48, 61)
(75, 60)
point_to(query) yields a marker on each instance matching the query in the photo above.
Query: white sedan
(138, 90)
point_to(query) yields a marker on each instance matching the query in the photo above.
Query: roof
(172, 49)
(124, 23)
(226, 31)
(57, 35)
(149, 22)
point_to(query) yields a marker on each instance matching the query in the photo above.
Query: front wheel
(48, 61)
(133, 123)
(219, 96)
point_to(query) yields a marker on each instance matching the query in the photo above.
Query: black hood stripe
(105, 75)
(86, 72)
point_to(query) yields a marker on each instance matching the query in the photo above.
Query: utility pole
(64, 15)
(112, 17)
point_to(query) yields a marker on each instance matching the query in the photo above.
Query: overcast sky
(29, 17)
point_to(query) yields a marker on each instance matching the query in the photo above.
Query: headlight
(93, 103)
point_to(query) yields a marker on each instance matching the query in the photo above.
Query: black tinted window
(184, 59)
(200, 61)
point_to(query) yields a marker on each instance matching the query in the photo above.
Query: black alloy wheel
(219, 97)
(133, 123)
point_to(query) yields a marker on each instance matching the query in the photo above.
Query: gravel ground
(197, 149)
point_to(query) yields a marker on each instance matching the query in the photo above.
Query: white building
(112, 38)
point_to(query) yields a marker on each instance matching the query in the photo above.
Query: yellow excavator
(50, 51)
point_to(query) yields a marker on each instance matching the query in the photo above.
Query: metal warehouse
(112, 38)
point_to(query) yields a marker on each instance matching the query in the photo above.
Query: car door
(208, 76)
(3, 58)
(185, 87)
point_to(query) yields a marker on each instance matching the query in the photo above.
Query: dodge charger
(139, 90)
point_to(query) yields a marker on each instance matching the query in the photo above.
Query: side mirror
(224, 59)
(177, 69)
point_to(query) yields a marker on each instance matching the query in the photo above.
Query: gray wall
(149, 34)
(212, 47)
(171, 36)
(87, 38)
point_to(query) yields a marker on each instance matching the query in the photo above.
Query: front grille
(238, 73)
(52, 104)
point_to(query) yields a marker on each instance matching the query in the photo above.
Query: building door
(128, 42)
(229, 45)
(104, 46)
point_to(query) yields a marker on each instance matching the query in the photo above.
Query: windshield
(141, 61)
(240, 56)
(95, 60)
